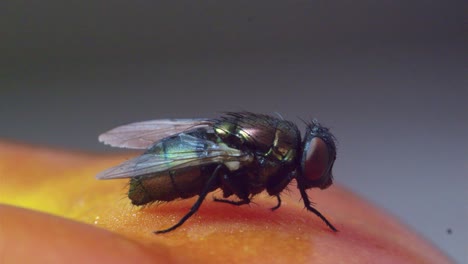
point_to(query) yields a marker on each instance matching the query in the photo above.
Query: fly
(241, 153)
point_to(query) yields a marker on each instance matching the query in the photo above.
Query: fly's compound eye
(317, 160)
(318, 157)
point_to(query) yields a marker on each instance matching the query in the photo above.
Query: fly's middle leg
(234, 184)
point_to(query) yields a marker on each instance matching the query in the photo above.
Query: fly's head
(318, 156)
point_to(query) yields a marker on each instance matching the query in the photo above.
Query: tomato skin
(83, 219)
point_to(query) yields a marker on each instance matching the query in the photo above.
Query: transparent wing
(141, 135)
(191, 151)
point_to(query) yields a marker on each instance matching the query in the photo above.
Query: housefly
(241, 153)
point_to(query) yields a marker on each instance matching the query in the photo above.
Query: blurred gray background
(386, 76)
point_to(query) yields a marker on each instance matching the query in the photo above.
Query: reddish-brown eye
(317, 160)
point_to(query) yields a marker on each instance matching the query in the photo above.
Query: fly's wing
(180, 151)
(141, 135)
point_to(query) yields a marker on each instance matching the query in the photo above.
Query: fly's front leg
(309, 207)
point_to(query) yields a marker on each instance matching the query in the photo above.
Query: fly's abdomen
(190, 159)
(181, 183)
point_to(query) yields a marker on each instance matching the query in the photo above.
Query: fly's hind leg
(209, 185)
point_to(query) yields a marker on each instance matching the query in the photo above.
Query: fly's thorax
(229, 134)
(246, 131)
(264, 135)
(286, 143)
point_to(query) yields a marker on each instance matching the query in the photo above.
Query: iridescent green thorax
(267, 136)
(273, 142)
